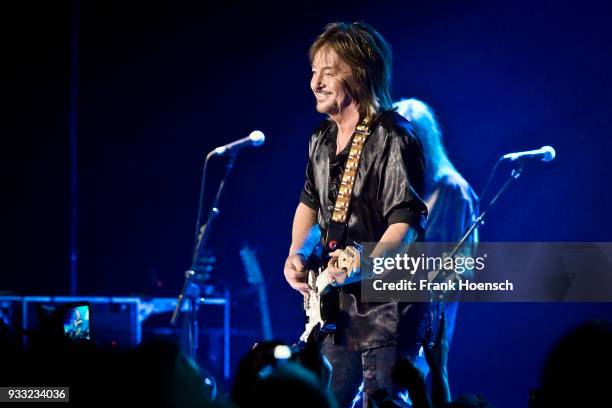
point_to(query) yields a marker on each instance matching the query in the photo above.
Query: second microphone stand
(193, 282)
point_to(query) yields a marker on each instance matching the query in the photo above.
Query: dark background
(162, 84)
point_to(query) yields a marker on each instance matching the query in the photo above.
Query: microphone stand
(192, 284)
(514, 174)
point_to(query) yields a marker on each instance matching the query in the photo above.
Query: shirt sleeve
(402, 175)
(309, 195)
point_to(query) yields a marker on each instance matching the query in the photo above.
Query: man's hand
(295, 273)
(349, 255)
(336, 274)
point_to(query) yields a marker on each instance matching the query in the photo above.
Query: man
(351, 70)
(451, 203)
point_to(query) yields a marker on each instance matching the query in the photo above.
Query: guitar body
(322, 306)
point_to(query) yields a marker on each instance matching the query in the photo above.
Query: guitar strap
(336, 231)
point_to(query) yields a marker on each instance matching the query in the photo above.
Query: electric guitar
(322, 305)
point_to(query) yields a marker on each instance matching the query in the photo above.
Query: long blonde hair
(427, 130)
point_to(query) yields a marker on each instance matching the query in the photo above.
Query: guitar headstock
(251, 266)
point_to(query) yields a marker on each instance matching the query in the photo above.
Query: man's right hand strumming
(296, 274)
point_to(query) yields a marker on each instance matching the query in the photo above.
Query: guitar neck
(266, 325)
(255, 277)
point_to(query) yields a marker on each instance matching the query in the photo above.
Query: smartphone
(77, 321)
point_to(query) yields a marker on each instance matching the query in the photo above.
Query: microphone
(544, 153)
(256, 138)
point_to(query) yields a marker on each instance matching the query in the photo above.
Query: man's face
(329, 74)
